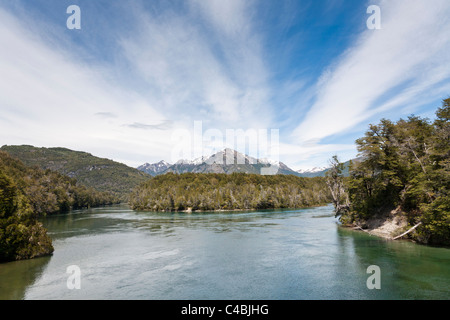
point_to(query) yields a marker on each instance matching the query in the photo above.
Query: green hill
(27, 193)
(49, 192)
(99, 173)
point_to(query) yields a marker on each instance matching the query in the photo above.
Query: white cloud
(204, 64)
(386, 69)
(48, 98)
(52, 98)
(230, 17)
(208, 63)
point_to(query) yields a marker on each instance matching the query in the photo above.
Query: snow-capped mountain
(155, 168)
(225, 161)
(314, 172)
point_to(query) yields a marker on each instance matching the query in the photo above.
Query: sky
(141, 81)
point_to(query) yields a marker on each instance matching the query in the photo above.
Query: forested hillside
(406, 165)
(98, 173)
(49, 192)
(210, 191)
(27, 193)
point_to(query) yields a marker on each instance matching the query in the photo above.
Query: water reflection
(408, 270)
(16, 276)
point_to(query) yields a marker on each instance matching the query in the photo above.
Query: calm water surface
(278, 254)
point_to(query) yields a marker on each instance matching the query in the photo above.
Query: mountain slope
(101, 174)
(155, 168)
(226, 161)
(315, 172)
(27, 193)
(321, 172)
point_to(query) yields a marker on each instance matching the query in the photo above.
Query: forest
(237, 191)
(90, 171)
(406, 166)
(50, 192)
(27, 193)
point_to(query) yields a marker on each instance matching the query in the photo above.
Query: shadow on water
(17, 276)
(408, 270)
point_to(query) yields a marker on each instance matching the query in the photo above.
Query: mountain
(225, 161)
(28, 193)
(98, 173)
(154, 169)
(50, 192)
(321, 171)
(314, 172)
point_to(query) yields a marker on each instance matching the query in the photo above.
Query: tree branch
(405, 233)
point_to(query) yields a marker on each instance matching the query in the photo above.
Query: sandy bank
(386, 225)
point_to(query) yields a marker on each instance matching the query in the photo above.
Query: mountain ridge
(99, 173)
(219, 162)
(225, 161)
(154, 169)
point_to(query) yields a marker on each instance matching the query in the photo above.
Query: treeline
(28, 193)
(93, 172)
(21, 235)
(405, 165)
(49, 192)
(237, 191)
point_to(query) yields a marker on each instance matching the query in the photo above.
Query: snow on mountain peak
(312, 170)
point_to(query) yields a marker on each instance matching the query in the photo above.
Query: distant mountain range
(314, 172)
(228, 161)
(119, 179)
(155, 169)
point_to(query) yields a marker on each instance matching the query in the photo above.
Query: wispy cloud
(49, 96)
(160, 126)
(403, 63)
(105, 115)
(202, 64)
(120, 89)
(175, 66)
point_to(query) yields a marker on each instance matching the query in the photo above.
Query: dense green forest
(21, 235)
(214, 191)
(405, 165)
(49, 192)
(94, 172)
(27, 193)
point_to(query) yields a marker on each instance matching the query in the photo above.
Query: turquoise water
(277, 254)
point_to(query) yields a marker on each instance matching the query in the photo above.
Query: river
(268, 255)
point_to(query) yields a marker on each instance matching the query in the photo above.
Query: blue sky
(139, 72)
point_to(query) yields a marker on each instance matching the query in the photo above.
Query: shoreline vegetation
(28, 193)
(203, 192)
(401, 186)
(99, 174)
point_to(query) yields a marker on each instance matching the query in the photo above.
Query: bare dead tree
(335, 182)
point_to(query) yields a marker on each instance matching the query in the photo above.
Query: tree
(335, 182)
(8, 193)
(21, 235)
(406, 166)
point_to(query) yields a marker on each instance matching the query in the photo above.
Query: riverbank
(388, 224)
